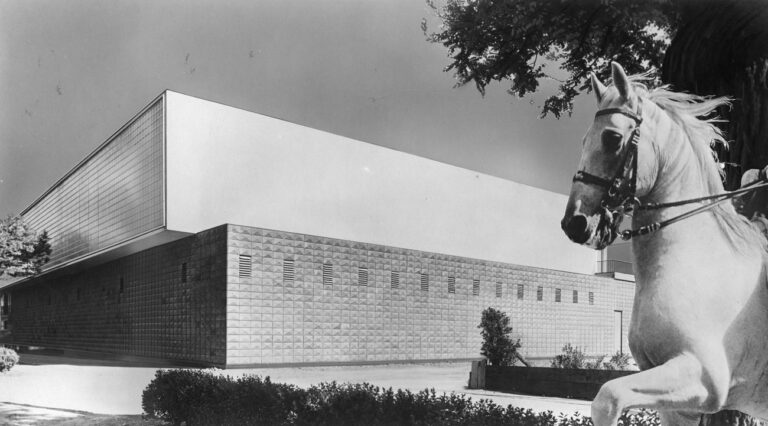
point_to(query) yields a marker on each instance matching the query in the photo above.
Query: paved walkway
(111, 387)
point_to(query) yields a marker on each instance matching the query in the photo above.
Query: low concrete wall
(557, 382)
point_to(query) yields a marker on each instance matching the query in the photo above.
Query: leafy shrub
(206, 398)
(572, 357)
(497, 346)
(203, 397)
(618, 361)
(598, 364)
(8, 358)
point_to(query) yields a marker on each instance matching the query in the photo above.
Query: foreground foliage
(8, 358)
(199, 397)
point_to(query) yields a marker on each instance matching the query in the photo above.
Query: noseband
(620, 194)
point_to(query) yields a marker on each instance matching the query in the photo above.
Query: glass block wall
(166, 302)
(114, 195)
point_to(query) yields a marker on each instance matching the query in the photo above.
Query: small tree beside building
(497, 347)
(22, 250)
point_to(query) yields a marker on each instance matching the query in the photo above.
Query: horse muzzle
(597, 231)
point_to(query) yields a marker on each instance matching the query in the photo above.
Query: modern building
(200, 232)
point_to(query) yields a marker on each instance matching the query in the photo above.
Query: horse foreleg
(673, 386)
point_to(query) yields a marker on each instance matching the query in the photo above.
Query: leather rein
(620, 196)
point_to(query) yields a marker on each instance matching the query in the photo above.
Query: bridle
(620, 197)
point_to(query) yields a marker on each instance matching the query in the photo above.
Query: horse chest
(672, 312)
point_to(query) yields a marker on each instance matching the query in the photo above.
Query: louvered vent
(184, 272)
(591, 298)
(575, 296)
(557, 295)
(539, 293)
(362, 276)
(327, 274)
(475, 287)
(498, 289)
(451, 284)
(394, 280)
(289, 271)
(520, 291)
(424, 278)
(244, 266)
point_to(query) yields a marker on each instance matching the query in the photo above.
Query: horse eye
(612, 140)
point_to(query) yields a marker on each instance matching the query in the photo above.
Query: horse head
(612, 172)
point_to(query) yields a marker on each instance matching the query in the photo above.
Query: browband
(622, 111)
(589, 178)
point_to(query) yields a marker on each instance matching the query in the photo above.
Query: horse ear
(597, 87)
(621, 81)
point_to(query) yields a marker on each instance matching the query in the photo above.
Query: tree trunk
(721, 49)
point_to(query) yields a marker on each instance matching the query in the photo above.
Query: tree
(497, 346)
(22, 251)
(708, 47)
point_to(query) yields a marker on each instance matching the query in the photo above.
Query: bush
(497, 346)
(203, 397)
(572, 357)
(206, 398)
(8, 358)
(618, 361)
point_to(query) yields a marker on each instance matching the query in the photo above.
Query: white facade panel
(226, 165)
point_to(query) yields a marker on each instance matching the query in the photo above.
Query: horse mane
(690, 112)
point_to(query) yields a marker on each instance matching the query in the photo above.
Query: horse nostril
(576, 228)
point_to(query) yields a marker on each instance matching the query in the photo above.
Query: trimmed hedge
(200, 397)
(8, 358)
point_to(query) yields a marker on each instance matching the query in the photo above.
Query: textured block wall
(165, 302)
(289, 312)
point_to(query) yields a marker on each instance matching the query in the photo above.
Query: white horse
(699, 328)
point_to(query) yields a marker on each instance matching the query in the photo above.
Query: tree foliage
(22, 250)
(498, 347)
(521, 41)
(707, 47)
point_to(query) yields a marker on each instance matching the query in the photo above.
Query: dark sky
(72, 72)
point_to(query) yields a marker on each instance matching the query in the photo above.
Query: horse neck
(679, 176)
